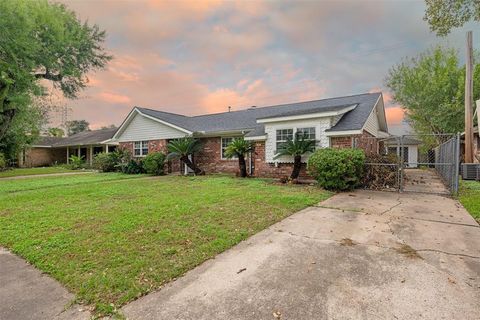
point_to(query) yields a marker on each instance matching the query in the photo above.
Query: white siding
(320, 124)
(412, 156)
(371, 125)
(143, 128)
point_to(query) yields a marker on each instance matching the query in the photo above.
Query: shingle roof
(47, 141)
(86, 137)
(247, 119)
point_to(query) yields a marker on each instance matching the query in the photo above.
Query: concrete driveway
(362, 255)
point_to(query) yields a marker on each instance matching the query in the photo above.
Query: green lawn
(111, 238)
(469, 196)
(31, 171)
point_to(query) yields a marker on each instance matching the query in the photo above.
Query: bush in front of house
(154, 163)
(106, 162)
(337, 169)
(132, 166)
(3, 162)
(76, 162)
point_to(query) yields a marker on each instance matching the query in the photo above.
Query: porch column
(68, 154)
(106, 148)
(91, 155)
(78, 152)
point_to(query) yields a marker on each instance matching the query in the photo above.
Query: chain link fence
(415, 163)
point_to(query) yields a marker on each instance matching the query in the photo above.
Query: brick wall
(38, 157)
(365, 141)
(210, 158)
(270, 170)
(156, 146)
(341, 142)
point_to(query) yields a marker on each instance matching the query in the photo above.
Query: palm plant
(296, 148)
(182, 149)
(238, 148)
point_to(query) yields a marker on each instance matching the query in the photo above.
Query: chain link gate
(412, 163)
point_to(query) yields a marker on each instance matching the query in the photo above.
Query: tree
(300, 145)
(430, 88)
(444, 15)
(183, 149)
(56, 132)
(238, 148)
(41, 42)
(76, 126)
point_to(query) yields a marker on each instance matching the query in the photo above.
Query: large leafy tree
(430, 87)
(182, 149)
(444, 15)
(42, 44)
(300, 145)
(238, 148)
(76, 126)
(56, 132)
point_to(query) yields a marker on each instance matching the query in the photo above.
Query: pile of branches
(381, 172)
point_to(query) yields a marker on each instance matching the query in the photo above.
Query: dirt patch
(347, 242)
(408, 251)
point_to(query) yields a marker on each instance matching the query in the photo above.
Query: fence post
(457, 163)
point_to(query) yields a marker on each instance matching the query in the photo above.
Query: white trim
(141, 148)
(342, 133)
(308, 116)
(127, 120)
(221, 149)
(375, 109)
(39, 146)
(256, 138)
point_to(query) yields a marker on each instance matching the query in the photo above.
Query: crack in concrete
(439, 221)
(448, 253)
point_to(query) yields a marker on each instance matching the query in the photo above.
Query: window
(310, 132)
(225, 143)
(283, 135)
(140, 148)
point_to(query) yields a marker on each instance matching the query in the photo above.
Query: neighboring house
(53, 150)
(337, 122)
(410, 150)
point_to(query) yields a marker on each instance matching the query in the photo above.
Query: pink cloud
(114, 98)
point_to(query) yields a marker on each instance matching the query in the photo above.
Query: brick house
(54, 150)
(340, 122)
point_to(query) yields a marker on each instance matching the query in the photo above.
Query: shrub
(76, 162)
(106, 162)
(132, 167)
(337, 169)
(154, 163)
(3, 162)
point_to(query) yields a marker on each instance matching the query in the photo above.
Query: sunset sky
(201, 57)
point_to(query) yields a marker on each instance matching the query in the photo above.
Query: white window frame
(141, 147)
(222, 148)
(298, 130)
(283, 140)
(295, 131)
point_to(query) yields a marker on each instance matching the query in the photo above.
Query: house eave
(342, 133)
(256, 138)
(308, 115)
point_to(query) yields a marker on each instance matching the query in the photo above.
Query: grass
(31, 171)
(469, 196)
(110, 238)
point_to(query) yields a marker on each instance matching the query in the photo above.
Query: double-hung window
(309, 133)
(225, 142)
(140, 148)
(283, 135)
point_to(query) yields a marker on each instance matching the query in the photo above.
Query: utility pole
(469, 101)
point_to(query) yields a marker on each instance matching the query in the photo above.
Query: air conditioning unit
(470, 171)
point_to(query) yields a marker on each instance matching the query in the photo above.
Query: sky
(197, 57)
